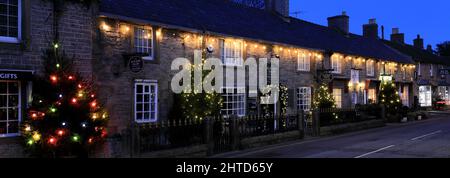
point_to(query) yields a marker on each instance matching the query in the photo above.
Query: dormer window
(10, 21)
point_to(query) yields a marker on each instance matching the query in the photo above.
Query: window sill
(9, 40)
(299, 70)
(146, 122)
(9, 136)
(232, 65)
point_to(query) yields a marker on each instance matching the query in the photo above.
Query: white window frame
(418, 70)
(8, 39)
(425, 96)
(354, 77)
(144, 46)
(404, 73)
(304, 98)
(431, 70)
(337, 95)
(354, 97)
(303, 62)
(335, 64)
(150, 84)
(232, 52)
(444, 93)
(238, 107)
(370, 68)
(19, 109)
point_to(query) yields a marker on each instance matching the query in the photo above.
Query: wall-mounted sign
(444, 71)
(385, 77)
(136, 64)
(15, 75)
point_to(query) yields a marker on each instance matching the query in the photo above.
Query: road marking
(426, 135)
(376, 151)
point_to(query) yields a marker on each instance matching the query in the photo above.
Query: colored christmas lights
(63, 104)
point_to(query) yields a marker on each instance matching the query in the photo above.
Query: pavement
(420, 139)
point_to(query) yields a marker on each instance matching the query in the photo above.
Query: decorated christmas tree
(65, 117)
(197, 105)
(323, 99)
(389, 97)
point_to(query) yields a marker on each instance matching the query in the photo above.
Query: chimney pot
(395, 31)
(372, 21)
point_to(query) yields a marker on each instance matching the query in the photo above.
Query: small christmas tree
(64, 118)
(323, 99)
(389, 97)
(197, 105)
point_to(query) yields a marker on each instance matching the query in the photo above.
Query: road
(420, 139)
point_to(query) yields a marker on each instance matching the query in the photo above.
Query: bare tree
(252, 3)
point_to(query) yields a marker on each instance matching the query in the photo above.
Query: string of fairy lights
(47, 110)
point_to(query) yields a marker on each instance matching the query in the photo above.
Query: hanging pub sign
(136, 64)
(324, 76)
(15, 75)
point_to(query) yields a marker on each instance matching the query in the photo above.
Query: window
(419, 70)
(335, 64)
(337, 94)
(10, 21)
(232, 52)
(354, 76)
(404, 73)
(9, 108)
(146, 101)
(303, 62)
(143, 42)
(370, 68)
(354, 97)
(431, 70)
(382, 68)
(304, 98)
(372, 95)
(404, 96)
(425, 96)
(233, 101)
(444, 94)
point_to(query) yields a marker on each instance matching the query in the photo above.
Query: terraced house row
(104, 37)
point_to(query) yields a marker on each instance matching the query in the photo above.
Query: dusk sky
(430, 18)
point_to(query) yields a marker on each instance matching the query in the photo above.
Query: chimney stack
(430, 48)
(370, 30)
(340, 22)
(397, 37)
(278, 6)
(418, 42)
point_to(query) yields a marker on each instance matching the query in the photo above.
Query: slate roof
(231, 19)
(419, 55)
